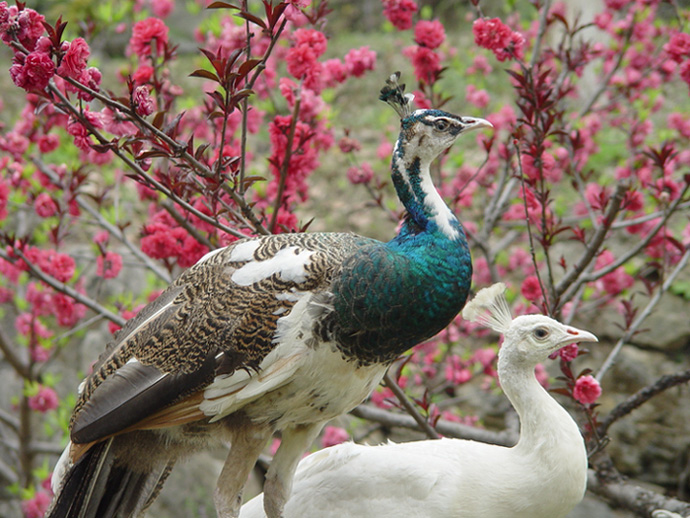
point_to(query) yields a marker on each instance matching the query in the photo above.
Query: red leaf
(205, 74)
(222, 5)
(253, 19)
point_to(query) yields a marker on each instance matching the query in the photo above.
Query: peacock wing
(220, 318)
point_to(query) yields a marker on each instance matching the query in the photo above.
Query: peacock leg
(278, 485)
(246, 446)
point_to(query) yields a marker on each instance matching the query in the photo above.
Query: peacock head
(433, 131)
(430, 132)
(528, 338)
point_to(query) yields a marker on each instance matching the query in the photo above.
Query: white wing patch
(244, 251)
(289, 263)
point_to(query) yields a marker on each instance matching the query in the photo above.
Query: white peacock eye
(541, 333)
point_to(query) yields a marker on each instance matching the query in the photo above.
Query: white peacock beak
(576, 335)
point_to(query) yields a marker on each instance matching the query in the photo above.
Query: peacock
(543, 476)
(276, 333)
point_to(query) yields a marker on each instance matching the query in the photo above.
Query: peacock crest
(394, 94)
(490, 308)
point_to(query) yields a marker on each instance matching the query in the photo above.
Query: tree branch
(445, 428)
(643, 315)
(409, 407)
(64, 288)
(641, 396)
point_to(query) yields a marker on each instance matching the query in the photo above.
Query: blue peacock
(273, 333)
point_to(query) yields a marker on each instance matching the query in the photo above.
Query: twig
(8, 474)
(140, 172)
(104, 223)
(284, 166)
(9, 420)
(180, 219)
(409, 407)
(605, 481)
(540, 33)
(8, 350)
(593, 245)
(64, 288)
(636, 249)
(643, 315)
(604, 83)
(445, 428)
(641, 396)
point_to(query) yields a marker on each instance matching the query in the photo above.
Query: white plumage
(543, 476)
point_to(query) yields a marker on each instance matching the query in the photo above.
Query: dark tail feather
(95, 487)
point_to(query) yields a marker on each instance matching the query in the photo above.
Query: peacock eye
(441, 125)
(541, 333)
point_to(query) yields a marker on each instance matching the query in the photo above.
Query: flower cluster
(494, 35)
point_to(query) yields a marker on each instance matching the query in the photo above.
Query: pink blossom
(160, 242)
(361, 174)
(4, 198)
(26, 26)
(45, 206)
(480, 65)
(531, 288)
(45, 400)
(616, 5)
(81, 135)
(143, 74)
(569, 352)
(456, 371)
(597, 196)
(348, 144)
(360, 60)
(479, 98)
(399, 12)
(143, 103)
(587, 390)
(40, 354)
(108, 265)
(40, 298)
(59, 265)
(426, 63)
(67, 311)
(300, 60)
(494, 35)
(48, 143)
(27, 324)
(678, 46)
(190, 252)
(73, 62)
(333, 435)
(32, 72)
(334, 72)
(37, 506)
(385, 150)
(543, 168)
(684, 71)
(617, 280)
(429, 34)
(315, 40)
(286, 221)
(162, 8)
(149, 34)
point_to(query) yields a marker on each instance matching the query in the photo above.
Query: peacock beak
(474, 123)
(578, 335)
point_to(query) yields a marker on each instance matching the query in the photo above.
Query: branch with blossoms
(103, 183)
